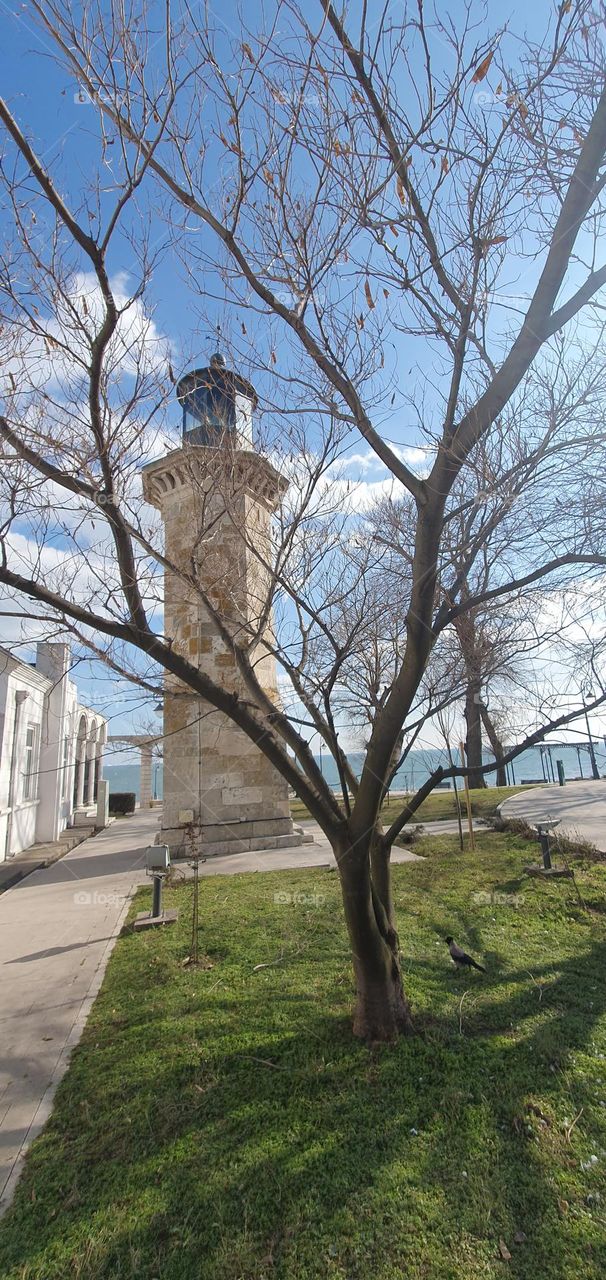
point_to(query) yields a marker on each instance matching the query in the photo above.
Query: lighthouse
(216, 495)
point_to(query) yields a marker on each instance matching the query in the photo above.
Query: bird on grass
(460, 958)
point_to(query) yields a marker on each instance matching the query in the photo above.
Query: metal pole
(157, 897)
(594, 764)
(544, 839)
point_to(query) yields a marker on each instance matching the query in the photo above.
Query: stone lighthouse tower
(216, 496)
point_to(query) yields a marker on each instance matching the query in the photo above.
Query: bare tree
(350, 199)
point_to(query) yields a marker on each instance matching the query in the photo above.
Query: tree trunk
(382, 1011)
(496, 746)
(473, 694)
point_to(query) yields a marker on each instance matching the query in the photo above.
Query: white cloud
(52, 352)
(89, 577)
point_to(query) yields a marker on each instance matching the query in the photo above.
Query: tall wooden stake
(472, 843)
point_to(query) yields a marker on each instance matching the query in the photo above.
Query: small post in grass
(157, 863)
(545, 830)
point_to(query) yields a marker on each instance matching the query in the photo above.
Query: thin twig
(573, 877)
(571, 1126)
(465, 993)
(269, 965)
(537, 984)
(265, 1062)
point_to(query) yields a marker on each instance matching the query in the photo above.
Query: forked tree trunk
(381, 1011)
(496, 746)
(474, 733)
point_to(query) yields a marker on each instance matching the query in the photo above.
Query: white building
(51, 749)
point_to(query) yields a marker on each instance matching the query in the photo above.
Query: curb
(15, 872)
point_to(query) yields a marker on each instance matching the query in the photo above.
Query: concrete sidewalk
(41, 855)
(57, 930)
(580, 808)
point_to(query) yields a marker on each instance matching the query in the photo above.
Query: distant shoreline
(530, 767)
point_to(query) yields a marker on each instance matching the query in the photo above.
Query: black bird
(461, 959)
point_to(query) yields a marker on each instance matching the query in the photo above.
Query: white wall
(51, 705)
(19, 819)
(52, 660)
(244, 425)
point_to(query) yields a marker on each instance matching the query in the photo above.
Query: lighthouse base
(220, 838)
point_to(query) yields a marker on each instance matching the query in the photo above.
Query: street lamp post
(594, 764)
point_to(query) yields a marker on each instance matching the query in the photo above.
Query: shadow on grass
(243, 1136)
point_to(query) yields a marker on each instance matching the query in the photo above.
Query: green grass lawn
(221, 1124)
(440, 804)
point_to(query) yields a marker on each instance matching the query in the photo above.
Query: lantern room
(218, 405)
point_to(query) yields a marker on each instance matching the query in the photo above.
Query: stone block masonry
(216, 505)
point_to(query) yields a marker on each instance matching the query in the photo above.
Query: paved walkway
(57, 930)
(40, 855)
(580, 807)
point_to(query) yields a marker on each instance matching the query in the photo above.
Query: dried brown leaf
(483, 68)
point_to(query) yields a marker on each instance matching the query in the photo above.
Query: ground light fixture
(157, 865)
(545, 831)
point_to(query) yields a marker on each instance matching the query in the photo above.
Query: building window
(64, 768)
(30, 763)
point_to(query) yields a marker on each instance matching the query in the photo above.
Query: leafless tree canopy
(391, 223)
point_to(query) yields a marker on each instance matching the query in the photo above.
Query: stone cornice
(231, 471)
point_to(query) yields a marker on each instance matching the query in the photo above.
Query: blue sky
(47, 101)
(48, 104)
